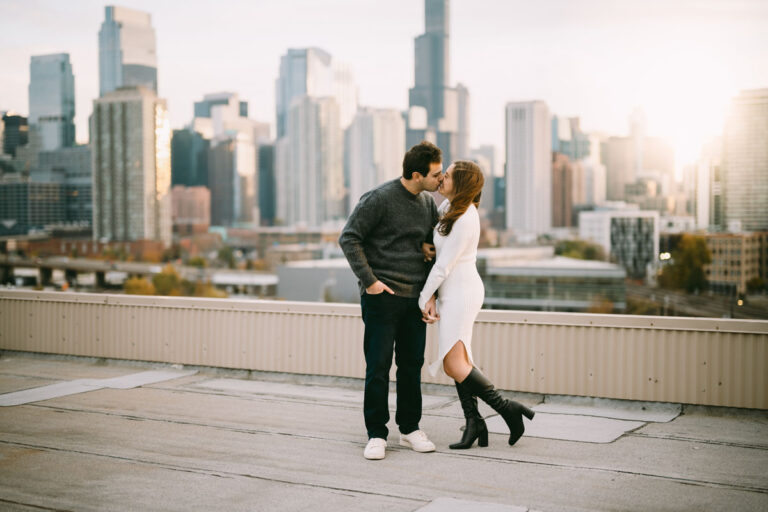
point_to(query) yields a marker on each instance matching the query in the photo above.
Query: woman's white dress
(455, 275)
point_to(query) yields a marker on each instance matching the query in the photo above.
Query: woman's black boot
(475, 428)
(511, 411)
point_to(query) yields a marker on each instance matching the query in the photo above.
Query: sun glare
(686, 103)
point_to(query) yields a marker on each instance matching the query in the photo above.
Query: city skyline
(592, 59)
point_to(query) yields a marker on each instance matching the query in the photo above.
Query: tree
(197, 261)
(579, 249)
(167, 282)
(138, 286)
(227, 256)
(756, 285)
(686, 270)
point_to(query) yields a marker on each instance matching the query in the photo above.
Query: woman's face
(446, 187)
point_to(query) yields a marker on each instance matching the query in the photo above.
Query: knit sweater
(383, 236)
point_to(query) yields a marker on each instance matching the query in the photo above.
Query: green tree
(686, 270)
(197, 261)
(227, 256)
(579, 249)
(167, 282)
(138, 286)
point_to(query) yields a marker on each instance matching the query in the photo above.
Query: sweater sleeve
(361, 222)
(454, 246)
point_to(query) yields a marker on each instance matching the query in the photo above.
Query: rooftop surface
(90, 434)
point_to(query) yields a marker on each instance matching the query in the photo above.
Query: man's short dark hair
(418, 158)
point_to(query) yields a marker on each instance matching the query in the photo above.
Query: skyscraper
(127, 50)
(628, 159)
(131, 147)
(232, 167)
(562, 190)
(374, 148)
(15, 132)
(310, 173)
(316, 100)
(313, 72)
(485, 156)
(447, 107)
(745, 162)
(529, 167)
(267, 186)
(189, 158)
(52, 100)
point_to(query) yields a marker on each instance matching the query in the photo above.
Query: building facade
(310, 170)
(190, 209)
(745, 162)
(629, 237)
(15, 132)
(189, 158)
(562, 190)
(374, 148)
(127, 50)
(736, 259)
(529, 167)
(52, 100)
(534, 279)
(232, 158)
(131, 147)
(267, 184)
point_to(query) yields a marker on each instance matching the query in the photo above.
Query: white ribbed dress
(461, 289)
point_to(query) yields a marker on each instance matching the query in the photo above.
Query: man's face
(432, 180)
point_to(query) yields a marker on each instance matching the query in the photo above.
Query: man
(383, 242)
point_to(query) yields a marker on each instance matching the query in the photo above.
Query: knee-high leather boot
(511, 411)
(475, 428)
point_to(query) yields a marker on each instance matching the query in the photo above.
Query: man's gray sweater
(383, 236)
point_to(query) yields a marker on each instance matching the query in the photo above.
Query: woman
(461, 296)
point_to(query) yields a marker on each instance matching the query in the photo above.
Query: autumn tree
(138, 286)
(686, 268)
(167, 282)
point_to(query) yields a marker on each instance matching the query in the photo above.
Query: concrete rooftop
(131, 436)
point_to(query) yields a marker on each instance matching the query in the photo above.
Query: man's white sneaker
(418, 441)
(375, 448)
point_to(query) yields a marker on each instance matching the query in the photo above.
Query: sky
(681, 61)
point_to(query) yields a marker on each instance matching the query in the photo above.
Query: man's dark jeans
(392, 324)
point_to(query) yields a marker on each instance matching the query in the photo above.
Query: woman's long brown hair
(468, 183)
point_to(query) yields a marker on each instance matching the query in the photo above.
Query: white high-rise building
(52, 100)
(485, 157)
(595, 185)
(317, 99)
(374, 148)
(127, 50)
(131, 151)
(529, 168)
(745, 162)
(310, 170)
(313, 72)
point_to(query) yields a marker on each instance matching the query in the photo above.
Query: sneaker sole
(373, 457)
(405, 443)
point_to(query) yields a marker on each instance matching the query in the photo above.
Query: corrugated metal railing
(683, 360)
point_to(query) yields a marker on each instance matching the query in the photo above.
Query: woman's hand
(428, 250)
(429, 313)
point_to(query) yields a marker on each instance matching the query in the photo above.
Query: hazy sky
(681, 60)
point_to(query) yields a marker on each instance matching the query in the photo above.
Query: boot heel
(527, 412)
(482, 439)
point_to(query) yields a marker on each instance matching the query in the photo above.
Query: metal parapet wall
(682, 360)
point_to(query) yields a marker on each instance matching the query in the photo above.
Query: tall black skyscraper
(189, 158)
(15, 133)
(446, 106)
